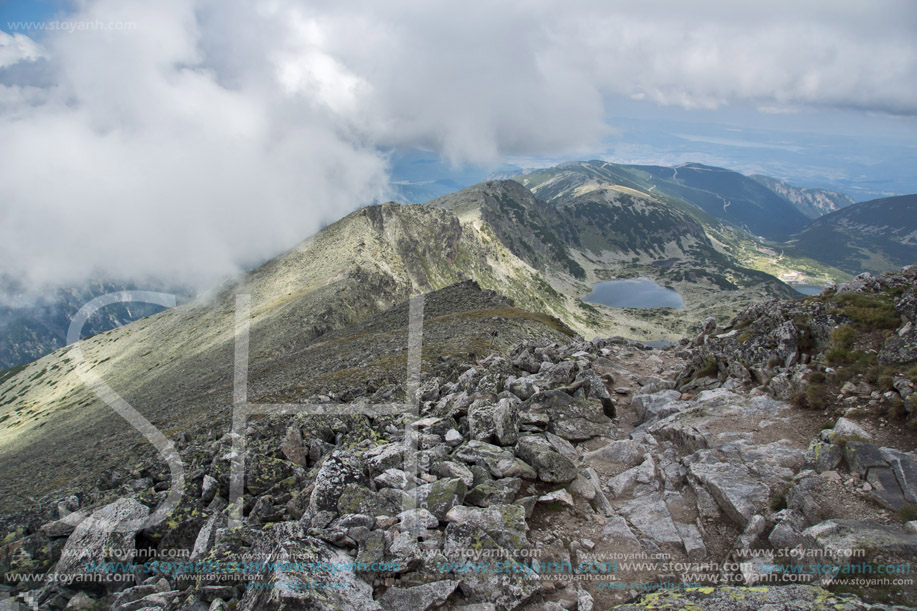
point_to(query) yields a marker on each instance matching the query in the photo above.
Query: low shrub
(869, 311)
(843, 337)
(710, 369)
(817, 377)
(840, 356)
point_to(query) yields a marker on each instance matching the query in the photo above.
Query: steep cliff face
(813, 203)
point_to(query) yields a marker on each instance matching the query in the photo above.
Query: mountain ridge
(811, 202)
(870, 236)
(723, 194)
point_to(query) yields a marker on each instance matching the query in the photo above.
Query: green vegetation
(896, 409)
(843, 337)
(842, 353)
(815, 396)
(8, 373)
(778, 502)
(710, 369)
(817, 377)
(869, 312)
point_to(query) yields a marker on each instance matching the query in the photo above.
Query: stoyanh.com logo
(71, 26)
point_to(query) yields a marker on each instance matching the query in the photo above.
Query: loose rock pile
(559, 477)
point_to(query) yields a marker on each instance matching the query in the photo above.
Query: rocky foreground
(707, 475)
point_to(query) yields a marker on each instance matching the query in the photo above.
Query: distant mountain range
(874, 236)
(817, 232)
(546, 236)
(31, 328)
(811, 202)
(728, 196)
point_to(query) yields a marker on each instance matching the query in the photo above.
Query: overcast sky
(180, 139)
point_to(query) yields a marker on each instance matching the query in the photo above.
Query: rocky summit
(766, 463)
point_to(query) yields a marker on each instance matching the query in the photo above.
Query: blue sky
(30, 10)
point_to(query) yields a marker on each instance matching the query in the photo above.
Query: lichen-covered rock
(573, 419)
(358, 498)
(845, 428)
(387, 456)
(526, 362)
(498, 422)
(505, 590)
(264, 472)
(440, 496)
(32, 554)
(861, 457)
(498, 461)
(107, 535)
(505, 523)
(131, 598)
(494, 492)
(552, 467)
(339, 470)
(726, 598)
(824, 456)
(900, 348)
(421, 598)
(448, 468)
(523, 387)
(297, 575)
(293, 447)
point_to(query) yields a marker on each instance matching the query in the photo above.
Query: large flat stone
(105, 536)
(905, 468)
(422, 597)
(738, 493)
(651, 517)
(861, 457)
(287, 548)
(885, 488)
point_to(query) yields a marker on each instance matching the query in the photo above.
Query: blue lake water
(809, 289)
(638, 293)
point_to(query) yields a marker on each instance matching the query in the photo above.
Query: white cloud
(15, 48)
(217, 132)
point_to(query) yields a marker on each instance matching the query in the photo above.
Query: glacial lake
(637, 293)
(808, 289)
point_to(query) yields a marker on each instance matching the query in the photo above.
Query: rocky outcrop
(784, 347)
(515, 474)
